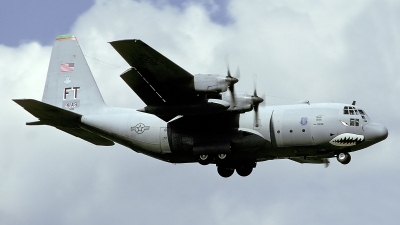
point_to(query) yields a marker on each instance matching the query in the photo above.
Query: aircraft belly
(137, 129)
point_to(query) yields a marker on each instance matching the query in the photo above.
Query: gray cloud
(318, 51)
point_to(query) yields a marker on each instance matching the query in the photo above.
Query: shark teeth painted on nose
(347, 139)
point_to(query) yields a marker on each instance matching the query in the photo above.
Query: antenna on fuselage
(354, 103)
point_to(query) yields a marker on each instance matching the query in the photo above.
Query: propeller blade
(256, 99)
(231, 81)
(263, 103)
(237, 73)
(256, 116)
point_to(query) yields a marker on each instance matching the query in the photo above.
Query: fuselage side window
(354, 122)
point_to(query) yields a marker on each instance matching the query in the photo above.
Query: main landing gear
(207, 159)
(343, 157)
(227, 171)
(226, 167)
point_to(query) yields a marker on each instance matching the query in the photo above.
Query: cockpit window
(350, 110)
(354, 122)
(363, 115)
(355, 110)
(346, 110)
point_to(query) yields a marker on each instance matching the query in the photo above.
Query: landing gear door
(164, 140)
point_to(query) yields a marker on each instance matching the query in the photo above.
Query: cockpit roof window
(350, 110)
(345, 110)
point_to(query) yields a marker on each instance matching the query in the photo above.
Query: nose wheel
(344, 158)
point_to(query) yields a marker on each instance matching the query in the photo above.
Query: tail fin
(70, 84)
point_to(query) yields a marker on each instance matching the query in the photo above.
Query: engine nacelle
(212, 83)
(242, 103)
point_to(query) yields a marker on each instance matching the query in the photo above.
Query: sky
(321, 51)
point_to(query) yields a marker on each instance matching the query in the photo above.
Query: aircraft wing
(154, 78)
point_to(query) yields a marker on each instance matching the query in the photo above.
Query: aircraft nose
(375, 132)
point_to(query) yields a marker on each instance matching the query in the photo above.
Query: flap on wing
(154, 74)
(139, 55)
(143, 89)
(87, 136)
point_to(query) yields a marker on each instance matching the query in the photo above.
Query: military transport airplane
(193, 118)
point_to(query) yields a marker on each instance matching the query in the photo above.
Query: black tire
(244, 171)
(225, 172)
(344, 158)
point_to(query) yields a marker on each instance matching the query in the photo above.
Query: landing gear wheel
(244, 171)
(222, 156)
(205, 159)
(343, 158)
(225, 172)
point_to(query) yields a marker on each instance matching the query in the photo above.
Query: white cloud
(318, 51)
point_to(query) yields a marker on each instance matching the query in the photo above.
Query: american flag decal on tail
(67, 67)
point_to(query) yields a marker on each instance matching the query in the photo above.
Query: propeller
(232, 81)
(256, 102)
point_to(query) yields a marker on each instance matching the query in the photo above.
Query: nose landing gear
(344, 158)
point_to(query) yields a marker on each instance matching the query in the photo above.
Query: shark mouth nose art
(347, 139)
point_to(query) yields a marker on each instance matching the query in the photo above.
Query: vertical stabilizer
(70, 84)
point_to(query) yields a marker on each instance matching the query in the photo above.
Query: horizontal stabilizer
(61, 119)
(48, 114)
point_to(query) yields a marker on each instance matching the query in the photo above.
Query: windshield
(351, 110)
